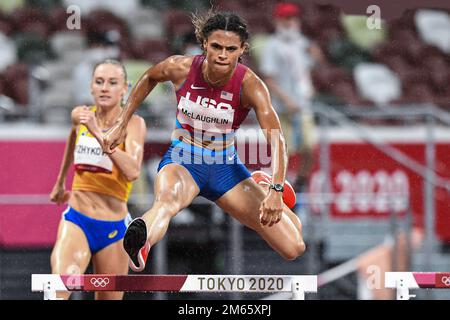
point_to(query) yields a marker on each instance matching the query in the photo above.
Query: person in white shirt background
(286, 62)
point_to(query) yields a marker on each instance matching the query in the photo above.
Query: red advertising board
(362, 178)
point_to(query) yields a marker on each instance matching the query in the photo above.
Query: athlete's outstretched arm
(169, 69)
(256, 95)
(58, 193)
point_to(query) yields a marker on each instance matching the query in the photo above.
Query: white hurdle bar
(404, 281)
(298, 285)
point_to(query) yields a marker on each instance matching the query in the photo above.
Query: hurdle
(298, 285)
(404, 281)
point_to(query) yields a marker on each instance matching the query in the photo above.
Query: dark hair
(114, 62)
(212, 21)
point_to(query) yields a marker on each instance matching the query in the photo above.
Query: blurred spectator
(377, 83)
(102, 45)
(434, 28)
(286, 63)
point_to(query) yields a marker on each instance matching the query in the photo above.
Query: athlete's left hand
(87, 118)
(271, 208)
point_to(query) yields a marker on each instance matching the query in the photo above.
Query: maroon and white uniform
(211, 110)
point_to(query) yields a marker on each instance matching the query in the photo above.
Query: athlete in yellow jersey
(94, 223)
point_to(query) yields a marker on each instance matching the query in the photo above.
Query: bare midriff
(98, 206)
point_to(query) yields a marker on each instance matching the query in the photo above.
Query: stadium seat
(346, 92)
(321, 23)
(357, 32)
(419, 93)
(415, 75)
(63, 41)
(177, 22)
(258, 23)
(151, 50)
(406, 20)
(377, 83)
(58, 96)
(395, 62)
(29, 19)
(72, 57)
(121, 9)
(6, 25)
(401, 33)
(40, 28)
(146, 23)
(58, 19)
(58, 69)
(439, 72)
(433, 26)
(330, 15)
(102, 21)
(7, 52)
(19, 91)
(116, 8)
(414, 51)
(231, 5)
(256, 5)
(385, 50)
(327, 75)
(443, 100)
(2, 85)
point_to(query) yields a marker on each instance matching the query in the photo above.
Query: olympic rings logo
(446, 281)
(99, 282)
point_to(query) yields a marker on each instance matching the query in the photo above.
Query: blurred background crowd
(352, 66)
(404, 61)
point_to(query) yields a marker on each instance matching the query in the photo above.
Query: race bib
(205, 117)
(89, 156)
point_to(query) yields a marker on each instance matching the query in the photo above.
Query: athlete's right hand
(114, 137)
(59, 195)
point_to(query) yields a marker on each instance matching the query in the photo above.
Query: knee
(294, 250)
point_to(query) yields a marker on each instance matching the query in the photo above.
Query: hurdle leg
(49, 291)
(298, 293)
(403, 290)
(402, 282)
